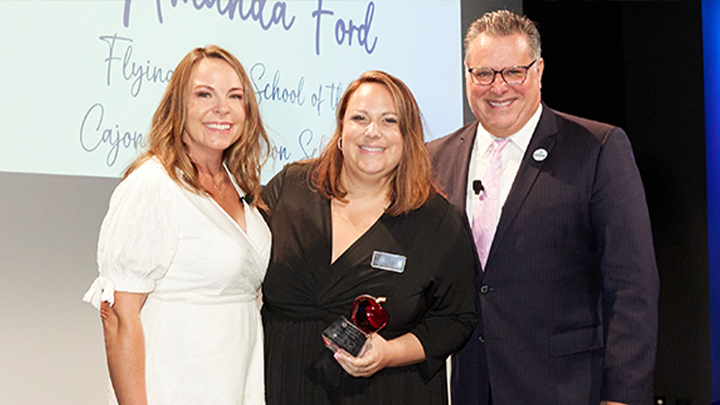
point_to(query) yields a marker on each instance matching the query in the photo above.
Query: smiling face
(215, 108)
(371, 141)
(503, 109)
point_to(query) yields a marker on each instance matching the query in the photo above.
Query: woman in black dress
(371, 192)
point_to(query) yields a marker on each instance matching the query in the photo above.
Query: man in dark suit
(568, 288)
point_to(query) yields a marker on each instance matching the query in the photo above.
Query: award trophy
(367, 316)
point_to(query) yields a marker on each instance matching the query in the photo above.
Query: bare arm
(125, 347)
(400, 351)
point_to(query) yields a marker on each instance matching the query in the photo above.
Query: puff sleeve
(138, 236)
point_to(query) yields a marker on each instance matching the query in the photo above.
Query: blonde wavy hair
(244, 158)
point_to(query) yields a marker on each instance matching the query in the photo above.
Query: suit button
(484, 289)
(481, 338)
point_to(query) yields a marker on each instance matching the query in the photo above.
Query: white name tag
(388, 261)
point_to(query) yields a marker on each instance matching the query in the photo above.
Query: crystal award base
(343, 334)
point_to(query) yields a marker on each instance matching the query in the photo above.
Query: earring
(340, 144)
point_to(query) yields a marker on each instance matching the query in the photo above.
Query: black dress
(303, 293)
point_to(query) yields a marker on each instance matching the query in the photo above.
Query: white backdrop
(81, 79)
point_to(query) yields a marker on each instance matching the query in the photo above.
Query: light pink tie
(486, 209)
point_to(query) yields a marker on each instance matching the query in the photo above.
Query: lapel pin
(540, 154)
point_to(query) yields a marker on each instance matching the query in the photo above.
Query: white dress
(203, 333)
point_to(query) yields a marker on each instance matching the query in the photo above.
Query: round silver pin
(540, 154)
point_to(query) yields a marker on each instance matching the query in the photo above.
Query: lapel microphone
(248, 198)
(477, 187)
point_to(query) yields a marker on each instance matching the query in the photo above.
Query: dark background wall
(639, 65)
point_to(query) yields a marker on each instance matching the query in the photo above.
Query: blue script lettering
(280, 153)
(256, 11)
(273, 91)
(336, 91)
(317, 99)
(305, 140)
(130, 70)
(317, 14)
(341, 30)
(91, 138)
(345, 30)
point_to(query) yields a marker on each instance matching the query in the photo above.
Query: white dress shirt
(511, 157)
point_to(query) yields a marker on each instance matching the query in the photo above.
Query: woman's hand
(372, 361)
(382, 353)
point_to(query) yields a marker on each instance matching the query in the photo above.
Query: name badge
(388, 261)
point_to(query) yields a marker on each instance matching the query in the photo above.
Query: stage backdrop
(81, 79)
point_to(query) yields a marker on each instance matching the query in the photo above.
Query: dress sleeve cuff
(102, 289)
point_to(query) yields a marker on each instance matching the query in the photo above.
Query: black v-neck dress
(303, 293)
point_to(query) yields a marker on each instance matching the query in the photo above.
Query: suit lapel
(459, 169)
(543, 137)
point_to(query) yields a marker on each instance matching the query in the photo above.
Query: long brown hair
(412, 182)
(242, 158)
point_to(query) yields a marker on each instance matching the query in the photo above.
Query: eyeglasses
(485, 76)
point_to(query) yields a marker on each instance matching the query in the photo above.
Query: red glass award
(368, 316)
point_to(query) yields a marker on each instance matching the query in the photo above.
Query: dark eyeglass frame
(502, 74)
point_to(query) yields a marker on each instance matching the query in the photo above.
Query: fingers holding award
(368, 316)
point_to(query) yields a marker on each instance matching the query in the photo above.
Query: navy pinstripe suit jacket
(568, 299)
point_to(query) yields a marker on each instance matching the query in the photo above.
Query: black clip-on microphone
(477, 187)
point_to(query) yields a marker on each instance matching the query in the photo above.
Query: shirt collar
(519, 140)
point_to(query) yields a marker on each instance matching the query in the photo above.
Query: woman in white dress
(183, 248)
